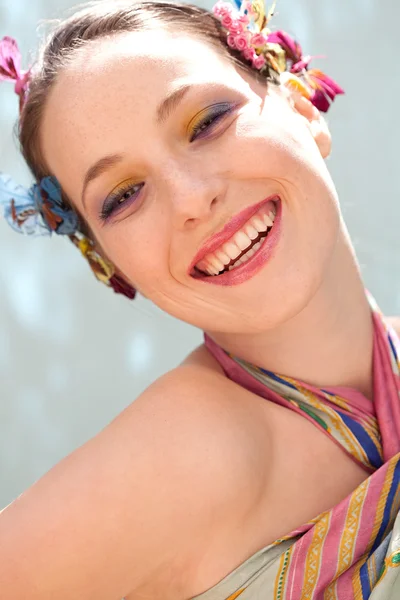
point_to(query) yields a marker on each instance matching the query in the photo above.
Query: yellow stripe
(349, 534)
(349, 537)
(357, 591)
(236, 594)
(330, 592)
(314, 557)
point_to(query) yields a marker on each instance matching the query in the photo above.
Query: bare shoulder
(119, 516)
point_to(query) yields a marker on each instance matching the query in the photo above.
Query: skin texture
(270, 144)
(218, 476)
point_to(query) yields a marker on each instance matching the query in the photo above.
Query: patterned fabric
(353, 550)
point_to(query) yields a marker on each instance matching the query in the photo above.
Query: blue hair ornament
(38, 210)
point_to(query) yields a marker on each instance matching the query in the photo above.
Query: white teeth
(258, 224)
(232, 250)
(249, 254)
(217, 261)
(202, 265)
(212, 270)
(242, 240)
(223, 257)
(246, 256)
(251, 231)
(267, 220)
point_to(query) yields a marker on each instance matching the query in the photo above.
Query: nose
(192, 195)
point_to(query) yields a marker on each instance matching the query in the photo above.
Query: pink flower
(231, 41)
(249, 54)
(217, 8)
(259, 62)
(227, 22)
(236, 27)
(241, 42)
(258, 40)
(222, 8)
(244, 20)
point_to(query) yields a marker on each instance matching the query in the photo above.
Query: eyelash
(116, 198)
(214, 114)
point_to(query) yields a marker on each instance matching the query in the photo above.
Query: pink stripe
(332, 544)
(386, 394)
(355, 399)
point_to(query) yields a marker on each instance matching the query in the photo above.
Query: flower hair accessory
(10, 68)
(40, 210)
(247, 31)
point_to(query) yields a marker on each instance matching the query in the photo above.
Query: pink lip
(228, 231)
(254, 264)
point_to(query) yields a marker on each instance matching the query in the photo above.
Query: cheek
(138, 249)
(276, 144)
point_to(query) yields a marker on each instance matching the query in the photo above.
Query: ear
(299, 98)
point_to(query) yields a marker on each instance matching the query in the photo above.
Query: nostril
(190, 221)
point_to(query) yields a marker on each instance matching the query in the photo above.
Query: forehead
(131, 72)
(118, 81)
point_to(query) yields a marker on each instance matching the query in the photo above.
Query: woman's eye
(208, 119)
(125, 195)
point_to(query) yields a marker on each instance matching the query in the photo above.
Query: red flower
(120, 286)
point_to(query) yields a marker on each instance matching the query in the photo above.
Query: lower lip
(256, 262)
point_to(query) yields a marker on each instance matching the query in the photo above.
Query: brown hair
(98, 20)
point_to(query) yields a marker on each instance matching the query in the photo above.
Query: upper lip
(229, 229)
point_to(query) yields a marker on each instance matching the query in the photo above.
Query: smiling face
(199, 151)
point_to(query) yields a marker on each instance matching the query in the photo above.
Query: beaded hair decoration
(41, 210)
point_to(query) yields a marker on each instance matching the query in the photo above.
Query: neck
(329, 342)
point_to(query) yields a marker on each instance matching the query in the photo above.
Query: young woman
(183, 153)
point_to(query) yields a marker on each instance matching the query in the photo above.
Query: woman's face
(197, 149)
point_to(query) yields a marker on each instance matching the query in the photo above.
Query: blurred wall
(72, 354)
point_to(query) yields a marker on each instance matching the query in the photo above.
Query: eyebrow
(171, 102)
(164, 110)
(101, 166)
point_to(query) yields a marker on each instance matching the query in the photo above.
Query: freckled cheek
(139, 255)
(267, 152)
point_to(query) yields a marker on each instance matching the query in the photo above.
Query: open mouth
(242, 246)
